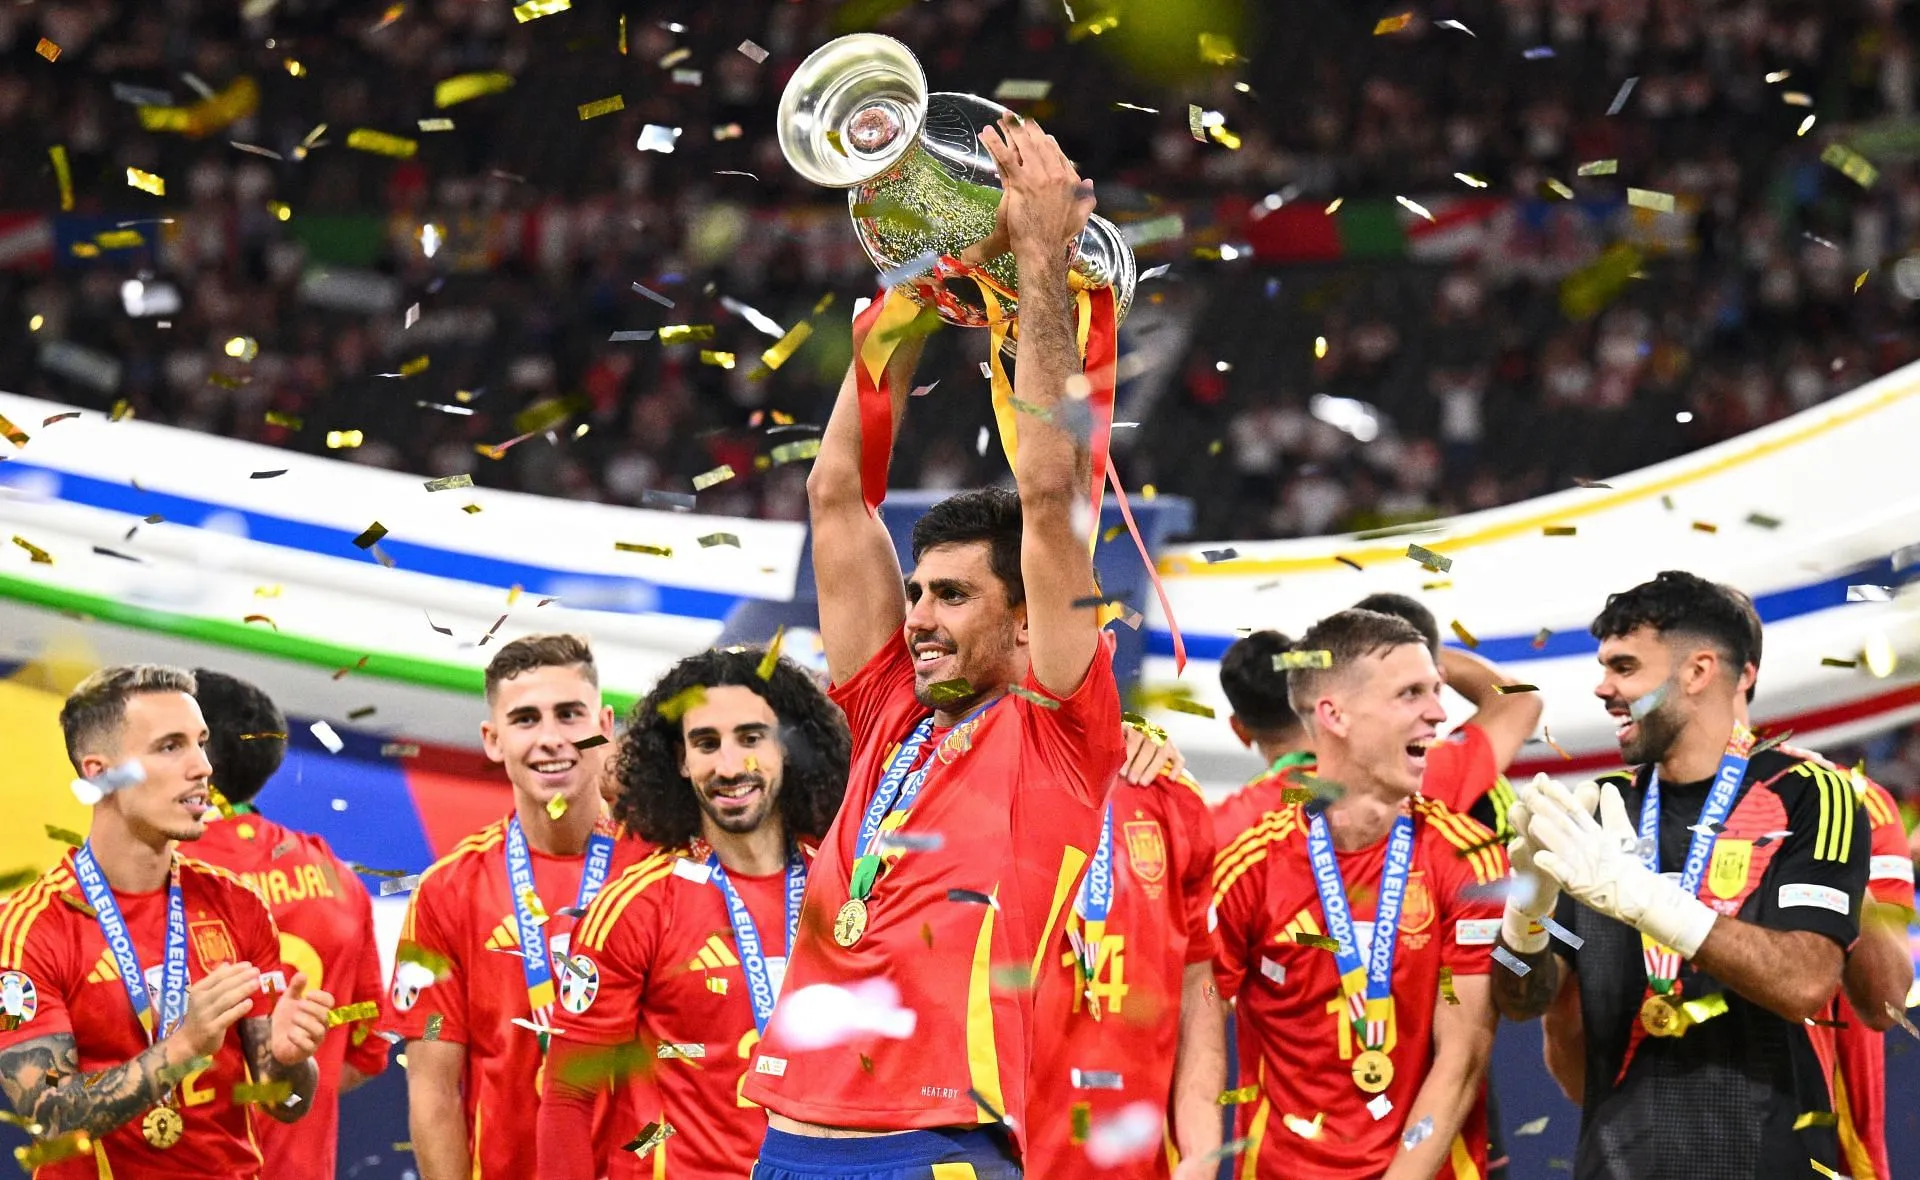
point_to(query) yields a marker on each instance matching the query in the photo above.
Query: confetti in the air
(1464, 635)
(323, 733)
(707, 479)
(1286, 661)
(1454, 24)
(1430, 560)
(752, 52)
(1598, 168)
(655, 137)
(1538, 53)
(373, 533)
(535, 9)
(379, 143)
(449, 482)
(47, 49)
(1505, 689)
(1852, 164)
(1511, 962)
(466, 87)
(639, 547)
(1643, 198)
(1531, 1128)
(146, 182)
(1022, 90)
(36, 554)
(1414, 207)
(1392, 24)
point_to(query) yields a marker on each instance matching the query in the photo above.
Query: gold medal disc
(1373, 1071)
(1661, 1018)
(163, 1127)
(851, 922)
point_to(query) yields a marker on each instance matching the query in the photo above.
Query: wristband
(1522, 932)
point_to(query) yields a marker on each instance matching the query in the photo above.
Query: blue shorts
(911, 1155)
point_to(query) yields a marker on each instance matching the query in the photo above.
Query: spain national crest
(1416, 908)
(1146, 851)
(1727, 875)
(213, 943)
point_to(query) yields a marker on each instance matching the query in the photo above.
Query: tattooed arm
(256, 1037)
(43, 1081)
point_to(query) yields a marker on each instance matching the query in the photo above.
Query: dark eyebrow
(178, 735)
(534, 710)
(705, 731)
(752, 727)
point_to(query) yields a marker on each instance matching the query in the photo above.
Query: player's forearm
(63, 1100)
(1053, 455)
(1452, 1087)
(305, 1080)
(1563, 1039)
(834, 481)
(565, 1130)
(1523, 997)
(1879, 971)
(1199, 1064)
(352, 1078)
(1791, 973)
(438, 1124)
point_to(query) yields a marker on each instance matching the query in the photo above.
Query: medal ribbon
(1367, 986)
(753, 957)
(1095, 899)
(1663, 963)
(535, 965)
(113, 927)
(900, 785)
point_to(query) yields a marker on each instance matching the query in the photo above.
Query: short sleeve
(1471, 869)
(413, 999)
(612, 952)
(34, 981)
(1195, 832)
(1237, 899)
(1817, 881)
(866, 696)
(1078, 738)
(1460, 769)
(256, 938)
(365, 1052)
(1890, 869)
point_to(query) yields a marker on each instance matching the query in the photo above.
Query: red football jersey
(1158, 923)
(325, 919)
(1460, 769)
(1014, 796)
(1263, 793)
(663, 969)
(462, 909)
(54, 962)
(1291, 1006)
(1860, 1082)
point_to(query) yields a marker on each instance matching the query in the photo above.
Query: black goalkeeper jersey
(1722, 1101)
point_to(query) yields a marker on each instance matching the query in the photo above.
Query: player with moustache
(485, 941)
(1711, 904)
(319, 906)
(136, 982)
(1356, 934)
(986, 732)
(731, 774)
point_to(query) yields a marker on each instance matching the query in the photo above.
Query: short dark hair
(97, 705)
(1676, 602)
(1255, 688)
(246, 733)
(989, 515)
(541, 651)
(1402, 606)
(1349, 636)
(655, 801)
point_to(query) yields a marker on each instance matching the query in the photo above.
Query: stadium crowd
(519, 233)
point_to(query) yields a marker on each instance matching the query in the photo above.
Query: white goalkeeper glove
(1531, 893)
(1598, 862)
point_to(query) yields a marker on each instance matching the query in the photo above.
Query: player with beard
(1337, 921)
(725, 769)
(1677, 1014)
(321, 909)
(986, 731)
(134, 981)
(474, 984)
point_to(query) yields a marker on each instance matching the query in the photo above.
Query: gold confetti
(1806, 125)
(1559, 189)
(287, 421)
(1816, 1118)
(1796, 98)
(47, 49)
(1598, 168)
(1465, 635)
(676, 706)
(344, 440)
(685, 333)
(1823, 1169)
(38, 555)
(1392, 24)
(1079, 1123)
(947, 692)
(1414, 206)
(1560, 530)
(146, 182)
(724, 360)
(605, 106)
(651, 1136)
(470, 509)
(12, 433)
(1037, 698)
(649, 550)
(463, 87)
(369, 535)
(1705, 1008)
(1196, 127)
(62, 175)
(1851, 164)
(430, 125)
(262, 1093)
(1446, 985)
(1430, 560)
(1244, 1093)
(449, 482)
(556, 807)
(1021, 90)
(366, 139)
(73, 1143)
(1860, 281)
(1286, 661)
(1333, 206)
(707, 479)
(1646, 198)
(535, 9)
(261, 619)
(795, 452)
(785, 347)
(1319, 941)
(65, 836)
(1093, 27)
(715, 539)
(122, 409)
(415, 366)
(1701, 526)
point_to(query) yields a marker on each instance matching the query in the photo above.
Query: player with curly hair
(727, 765)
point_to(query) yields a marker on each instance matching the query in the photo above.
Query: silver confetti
(331, 740)
(1620, 98)
(405, 884)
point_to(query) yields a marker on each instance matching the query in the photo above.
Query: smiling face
(533, 722)
(1382, 716)
(164, 732)
(731, 754)
(1635, 666)
(960, 627)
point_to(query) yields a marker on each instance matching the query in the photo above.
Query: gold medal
(851, 922)
(1662, 1018)
(163, 1127)
(1373, 1071)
